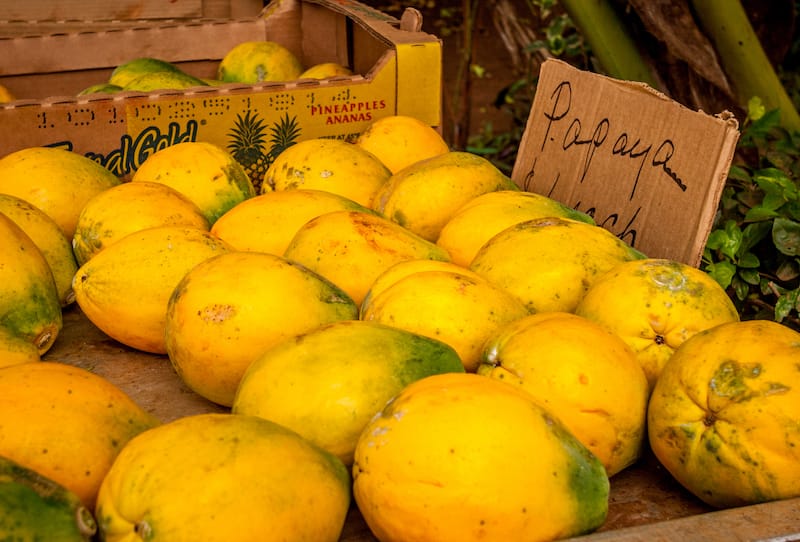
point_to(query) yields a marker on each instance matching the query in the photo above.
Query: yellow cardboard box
(397, 70)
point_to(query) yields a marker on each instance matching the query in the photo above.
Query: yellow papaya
(424, 195)
(128, 208)
(484, 216)
(29, 303)
(34, 507)
(333, 165)
(464, 457)
(351, 248)
(550, 263)
(49, 238)
(328, 392)
(227, 310)
(459, 309)
(267, 222)
(57, 181)
(257, 61)
(136, 67)
(66, 423)
(221, 478)
(203, 172)
(124, 290)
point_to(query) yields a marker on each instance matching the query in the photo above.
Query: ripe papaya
(49, 238)
(29, 305)
(34, 507)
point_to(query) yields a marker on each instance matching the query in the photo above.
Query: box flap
(645, 167)
(413, 83)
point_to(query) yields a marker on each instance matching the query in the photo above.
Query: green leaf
(722, 272)
(748, 260)
(740, 288)
(750, 276)
(739, 173)
(788, 270)
(726, 240)
(776, 185)
(755, 108)
(785, 304)
(786, 236)
(760, 213)
(477, 70)
(767, 121)
(754, 234)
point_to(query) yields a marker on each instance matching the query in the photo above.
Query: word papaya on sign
(647, 169)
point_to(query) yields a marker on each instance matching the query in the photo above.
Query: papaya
(424, 195)
(228, 309)
(401, 140)
(100, 88)
(49, 238)
(456, 308)
(29, 302)
(136, 67)
(223, 477)
(325, 70)
(464, 457)
(351, 248)
(257, 61)
(34, 507)
(15, 349)
(333, 165)
(549, 263)
(267, 222)
(66, 423)
(147, 82)
(129, 302)
(203, 172)
(401, 270)
(128, 208)
(484, 216)
(328, 392)
(722, 417)
(655, 305)
(57, 181)
(581, 371)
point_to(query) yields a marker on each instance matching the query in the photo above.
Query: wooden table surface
(645, 505)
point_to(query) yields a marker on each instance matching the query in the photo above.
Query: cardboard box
(397, 70)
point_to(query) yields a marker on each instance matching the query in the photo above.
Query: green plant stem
(609, 40)
(743, 58)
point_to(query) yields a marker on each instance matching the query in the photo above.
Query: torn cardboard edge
(645, 167)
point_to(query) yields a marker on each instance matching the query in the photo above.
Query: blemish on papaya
(217, 313)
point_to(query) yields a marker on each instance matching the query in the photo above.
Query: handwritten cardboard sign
(646, 168)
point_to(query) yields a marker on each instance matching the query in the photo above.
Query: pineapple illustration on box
(249, 145)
